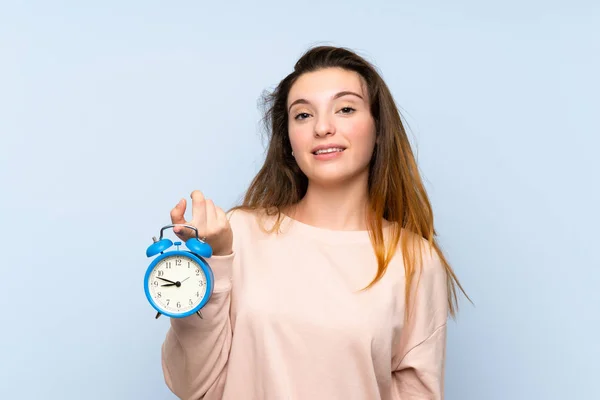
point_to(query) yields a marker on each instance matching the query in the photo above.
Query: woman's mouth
(330, 150)
(329, 153)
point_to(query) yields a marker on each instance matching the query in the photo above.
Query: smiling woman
(328, 124)
(329, 282)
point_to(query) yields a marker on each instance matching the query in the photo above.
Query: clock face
(177, 284)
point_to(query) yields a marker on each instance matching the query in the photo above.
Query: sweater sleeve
(195, 350)
(419, 359)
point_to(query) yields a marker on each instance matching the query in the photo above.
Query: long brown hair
(396, 192)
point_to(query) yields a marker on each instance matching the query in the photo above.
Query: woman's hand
(210, 220)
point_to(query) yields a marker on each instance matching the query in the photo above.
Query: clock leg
(199, 314)
(157, 315)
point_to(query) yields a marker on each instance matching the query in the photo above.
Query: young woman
(329, 283)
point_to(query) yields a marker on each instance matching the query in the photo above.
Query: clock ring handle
(184, 225)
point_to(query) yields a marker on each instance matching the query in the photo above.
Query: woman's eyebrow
(346, 93)
(336, 96)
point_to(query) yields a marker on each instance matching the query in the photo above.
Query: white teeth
(331, 150)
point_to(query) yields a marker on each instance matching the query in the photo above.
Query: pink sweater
(287, 321)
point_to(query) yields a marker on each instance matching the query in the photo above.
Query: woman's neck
(342, 207)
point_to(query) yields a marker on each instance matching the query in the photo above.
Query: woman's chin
(338, 178)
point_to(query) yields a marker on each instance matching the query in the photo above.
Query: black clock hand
(176, 283)
(171, 283)
(166, 280)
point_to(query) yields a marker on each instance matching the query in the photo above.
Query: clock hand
(166, 280)
(175, 283)
(171, 283)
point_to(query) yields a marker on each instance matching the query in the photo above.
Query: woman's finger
(211, 218)
(177, 213)
(177, 216)
(221, 216)
(198, 211)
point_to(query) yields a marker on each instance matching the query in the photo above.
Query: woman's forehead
(326, 83)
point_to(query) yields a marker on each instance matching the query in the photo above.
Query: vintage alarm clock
(178, 283)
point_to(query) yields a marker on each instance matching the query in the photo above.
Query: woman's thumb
(177, 215)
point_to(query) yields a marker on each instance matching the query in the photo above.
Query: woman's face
(331, 129)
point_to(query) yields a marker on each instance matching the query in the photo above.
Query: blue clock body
(196, 255)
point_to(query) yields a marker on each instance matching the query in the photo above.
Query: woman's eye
(301, 116)
(347, 110)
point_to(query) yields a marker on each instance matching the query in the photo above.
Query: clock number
(197, 272)
(158, 295)
(168, 301)
(189, 264)
(155, 283)
(191, 302)
(177, 262)
(197, 294)
(178, 305)
(168, 264)
(161, 273)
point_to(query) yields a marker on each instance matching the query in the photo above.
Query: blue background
(110, 112)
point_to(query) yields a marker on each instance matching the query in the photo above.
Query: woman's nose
(324, 127)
